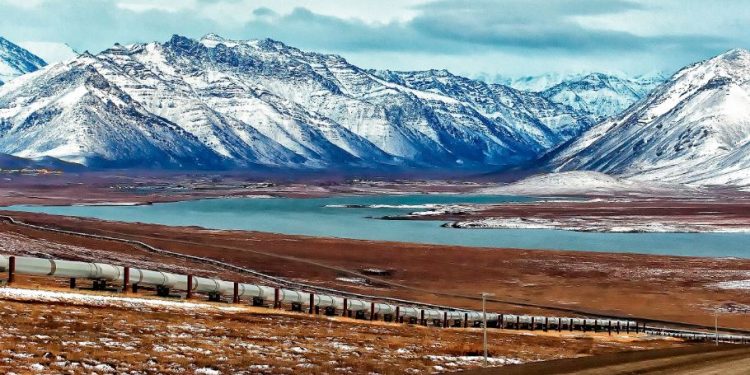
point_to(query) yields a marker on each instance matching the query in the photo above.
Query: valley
(231, 161)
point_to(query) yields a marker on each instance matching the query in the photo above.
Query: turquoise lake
(311, 217)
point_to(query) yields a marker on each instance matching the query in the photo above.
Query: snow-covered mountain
(695, 128)
(15, 61)
(538, 83)
(599, 95)
(535, 117)
(222, 103)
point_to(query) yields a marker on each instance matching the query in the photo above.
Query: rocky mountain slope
(15, 61)
(600, 96)
(218, 103)
(695, 128)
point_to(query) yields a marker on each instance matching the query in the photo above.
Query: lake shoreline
(586, 280)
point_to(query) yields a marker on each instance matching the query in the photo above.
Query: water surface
(311, 217)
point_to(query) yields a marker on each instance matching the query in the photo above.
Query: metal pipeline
(99, 271)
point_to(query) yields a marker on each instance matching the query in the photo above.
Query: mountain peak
(15, 61)
(214, 37)
(735, 54)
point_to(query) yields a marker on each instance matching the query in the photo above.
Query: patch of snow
(17, 294)
(353, 280)
(207, 371)
(580, 183)
(735, 284)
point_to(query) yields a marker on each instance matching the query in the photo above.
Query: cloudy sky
(470, 37)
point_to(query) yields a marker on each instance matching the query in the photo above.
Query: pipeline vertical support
(445, 319)
(236, 295)
(570, 325)
(466, 320)
(518, 322)
(502, 321)
(609, 328)
(546, 324)
(276, 300)
(532, 323)
(372, 310)
(72, 283)
(11, 270)
(125, 279)
(135, 288)
(346, 307)
(627, 327)
(398, 313)
(618, 327)
(421, 317)
(559, 325)
(189, 294)
(312, 303)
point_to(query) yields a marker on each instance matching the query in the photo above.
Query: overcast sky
(470, 37)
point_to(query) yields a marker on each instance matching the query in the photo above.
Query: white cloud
(51, 52)
(25, 4)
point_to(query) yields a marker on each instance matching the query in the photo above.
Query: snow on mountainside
(601, 95)
(576, 183)
(694, 129)
(223, 103)
(540, 82)
(15, 61)
(536, 118)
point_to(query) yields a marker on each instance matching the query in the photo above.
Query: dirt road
(691, 360)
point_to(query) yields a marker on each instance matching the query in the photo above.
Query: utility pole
(484, 324)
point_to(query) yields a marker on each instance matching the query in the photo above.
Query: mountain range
(216, 103)
(695, 128)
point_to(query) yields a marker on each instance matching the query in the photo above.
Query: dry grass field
(78, 332)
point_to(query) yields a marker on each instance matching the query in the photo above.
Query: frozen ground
(584, 183)
(619, 224)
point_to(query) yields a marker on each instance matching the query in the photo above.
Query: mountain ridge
(16, 61)
(261, 102)
(693, 129)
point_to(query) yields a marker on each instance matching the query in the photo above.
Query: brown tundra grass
(58, 338)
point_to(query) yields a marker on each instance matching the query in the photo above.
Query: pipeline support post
(72, 283)
(421, 317)
(236, 295)
(466, 320)
(11, 270)
(372, 310)
(276, 300)
(189, 294)
(346, 307)
(445, 319)
(398, 312)
(312, 303)
(125, 279)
